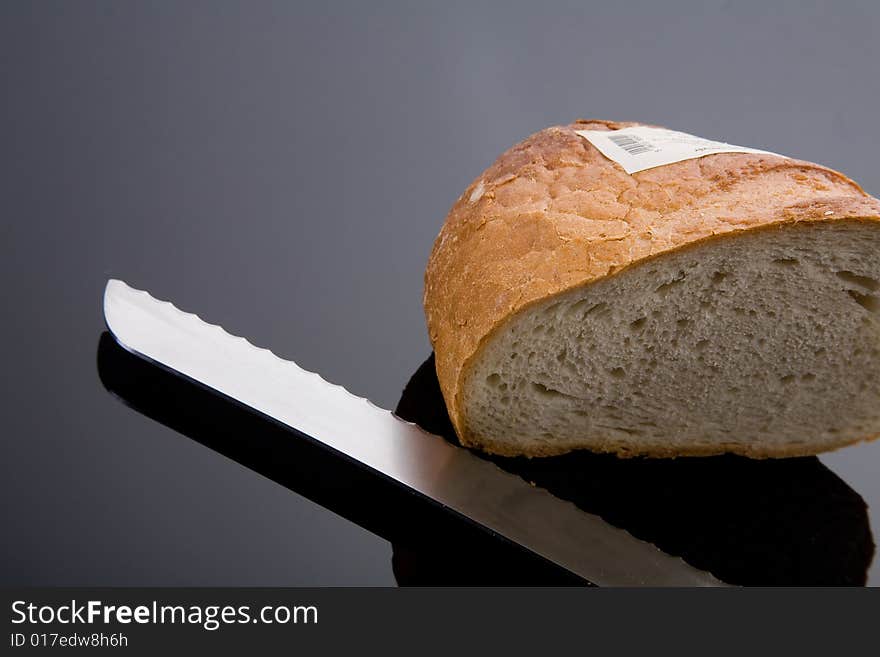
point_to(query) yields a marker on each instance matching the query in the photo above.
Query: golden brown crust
(553, 213)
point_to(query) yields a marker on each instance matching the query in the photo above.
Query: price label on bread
(643, 147)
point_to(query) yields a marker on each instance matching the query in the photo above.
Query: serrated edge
(191, 316)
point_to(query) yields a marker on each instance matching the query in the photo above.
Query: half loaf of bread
(729, 303)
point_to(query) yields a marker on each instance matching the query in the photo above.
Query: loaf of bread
(727, 303)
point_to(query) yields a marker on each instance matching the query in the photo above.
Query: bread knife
(458, 480)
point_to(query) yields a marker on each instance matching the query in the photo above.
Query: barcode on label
(631, 144)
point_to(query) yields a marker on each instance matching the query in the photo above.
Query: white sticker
(640, 148)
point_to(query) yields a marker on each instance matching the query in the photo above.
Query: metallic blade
(451, 476)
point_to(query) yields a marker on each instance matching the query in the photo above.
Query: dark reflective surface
(749, 522)
(770, 522)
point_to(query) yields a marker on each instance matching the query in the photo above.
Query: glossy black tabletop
(283, 170)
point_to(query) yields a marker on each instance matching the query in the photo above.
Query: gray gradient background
(283, 168)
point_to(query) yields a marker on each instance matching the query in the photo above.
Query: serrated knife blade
(457, 479)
